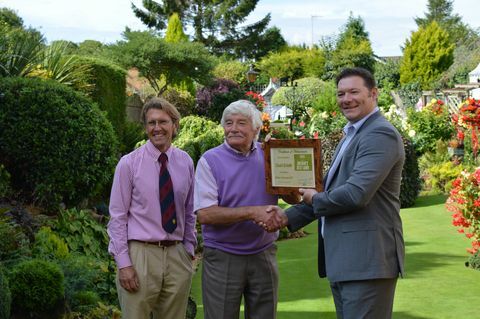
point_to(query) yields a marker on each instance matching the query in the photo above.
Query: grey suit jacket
(363, 231)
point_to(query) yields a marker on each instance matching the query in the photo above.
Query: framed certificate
(293, 164)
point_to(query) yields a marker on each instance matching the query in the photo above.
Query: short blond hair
(160, 103)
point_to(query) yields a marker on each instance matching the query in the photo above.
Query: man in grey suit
(361, 248)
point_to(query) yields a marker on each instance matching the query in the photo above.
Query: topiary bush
(107, 88)
(5, 296)
(55, 143)
(37, 289)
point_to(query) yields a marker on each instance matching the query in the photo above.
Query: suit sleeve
(375, 155)
(299, 216)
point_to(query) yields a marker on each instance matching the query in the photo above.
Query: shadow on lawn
(414, 243)
(305, 315)
(406, 315)
(430, 200)
(418, 263)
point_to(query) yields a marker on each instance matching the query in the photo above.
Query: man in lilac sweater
(239, 257)
(152, 242)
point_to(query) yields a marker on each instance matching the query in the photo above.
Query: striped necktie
(167, 202)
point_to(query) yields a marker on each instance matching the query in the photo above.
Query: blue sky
(389, 23)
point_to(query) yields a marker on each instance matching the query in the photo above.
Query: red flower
(301, 124)
(315, 135)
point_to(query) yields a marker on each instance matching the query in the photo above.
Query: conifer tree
(427, 54)
(175, 32)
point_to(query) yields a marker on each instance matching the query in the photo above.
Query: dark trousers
(364, 299)
(227, 277)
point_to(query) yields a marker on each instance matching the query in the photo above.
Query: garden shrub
(37, 289)
(324, 124)
(55, 143)
(197, 135)
(182, 100)
(439, 177)
(48, 245)
(232, 70)
(213, 99)
(464, 203)
(303, 95)
(103, 311)
(14, 244)
(431, 123)
(411, 183)
(5, 296)
(282, 133)
(326, 100)
(88, 274)
(410, 93)
(474, 261)
(82, 232)
(4, 182)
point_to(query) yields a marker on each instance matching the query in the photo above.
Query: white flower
(412, 133)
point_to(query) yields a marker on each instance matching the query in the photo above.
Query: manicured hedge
(108, 90)
(55, 143)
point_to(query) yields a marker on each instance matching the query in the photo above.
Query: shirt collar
(358, 124)
(155, 153)
(254, 147)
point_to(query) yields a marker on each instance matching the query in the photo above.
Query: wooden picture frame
(293, 164)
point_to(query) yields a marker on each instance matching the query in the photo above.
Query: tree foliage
(159, 60)
(10, 18)
(352, 48)
(427, 54)
(215, 24)
(441, 11)
(294, 63)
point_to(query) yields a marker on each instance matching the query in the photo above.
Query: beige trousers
(165, 276)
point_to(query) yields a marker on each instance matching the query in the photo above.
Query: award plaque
(293, 164)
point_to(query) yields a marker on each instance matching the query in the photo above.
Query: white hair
(247, 109)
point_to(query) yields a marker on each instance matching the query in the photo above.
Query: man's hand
(307, 194)
(128, 279)
(271, 218)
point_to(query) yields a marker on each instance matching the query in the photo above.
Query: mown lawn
(437, 284)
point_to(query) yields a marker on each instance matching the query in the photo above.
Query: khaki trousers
(165, 276)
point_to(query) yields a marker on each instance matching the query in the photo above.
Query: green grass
(437, 283)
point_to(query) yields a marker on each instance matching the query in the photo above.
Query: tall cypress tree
(175, 30)
(427, 54)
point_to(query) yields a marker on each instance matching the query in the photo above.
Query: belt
(161, 243)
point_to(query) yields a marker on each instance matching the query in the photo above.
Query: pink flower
(301, 124)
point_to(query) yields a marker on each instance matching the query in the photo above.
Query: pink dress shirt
(135, 212)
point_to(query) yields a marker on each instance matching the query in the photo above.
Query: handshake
(271, 218)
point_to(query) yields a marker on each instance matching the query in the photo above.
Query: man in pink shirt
(152, 225)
